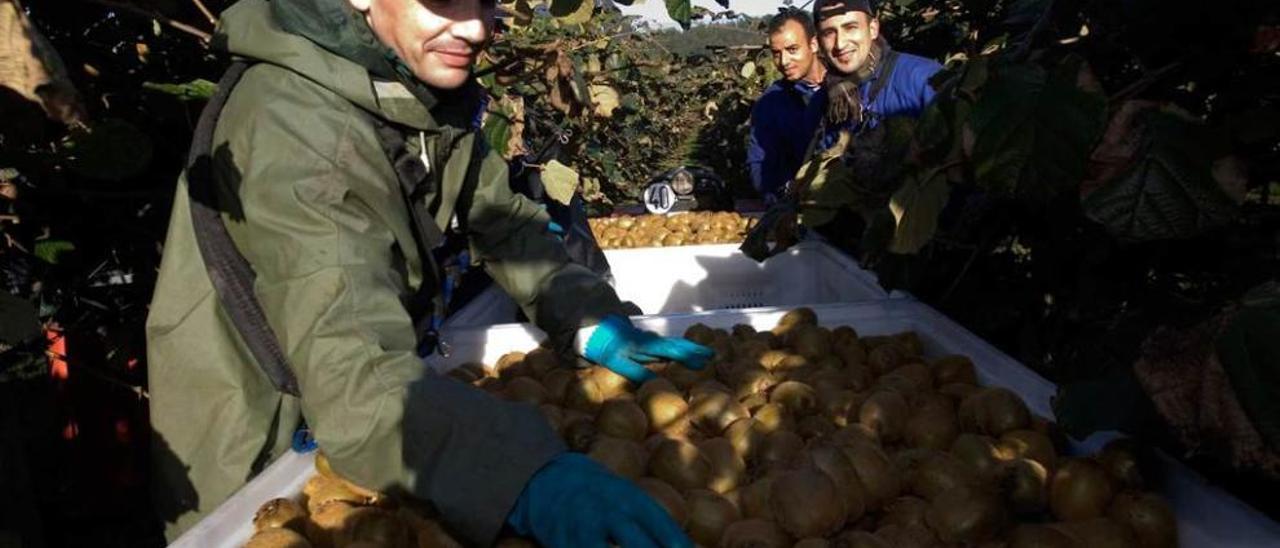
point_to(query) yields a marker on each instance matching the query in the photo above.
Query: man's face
(438, 39)
(846, 40)
(793, 54)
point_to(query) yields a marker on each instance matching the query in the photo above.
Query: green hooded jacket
(312, 201)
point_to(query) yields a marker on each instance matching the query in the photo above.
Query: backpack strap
(230, 272)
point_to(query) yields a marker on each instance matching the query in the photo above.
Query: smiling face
(793, 53)
(846, 40)
(438, 39)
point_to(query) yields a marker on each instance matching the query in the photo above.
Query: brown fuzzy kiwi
(525, 389)
(910, 343)
(746, 437)
(742, 331)
(1026, 486)
(754, 533)
(815, 426)
(668, 497)
(557, 382)
(812, 342)
(277, 537)
(623, 418)
(1119, 457)
(1148, 516)
(1030, 444)
(860, 539)
(798, 398)
(953, 368)
(280, 512)
(993, 411)
(875, 471)
(326, 522)
(468, 372)
(709, 515)
(909, 535)
(885, 413)
(621, 456)
(611, 384)
(832, 461)
(1080, 490)
(580, 433)
(807, 503)
(906, 510)
(753, 498)
(681, 464)
(771, 360)
(426, 533)
(653, 386)
(334, 490)
(666, 412)
(728, 470)
(793, 318)
(844, 334)
(712, 412)
(967, 515)
(940, 472)
(981, 454)
(915, 377)
(754, 402)
(773, 417)
(752, 379)
(851, 434)
(708, 386)
(837, 406)
(958, 391)
(511, 365)
(699, 333)
(373, 525)
(884, 358)
(1039, 536)
(541, 361)
(782, 450)
(933, 426)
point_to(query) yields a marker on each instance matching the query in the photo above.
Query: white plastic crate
(1207, 516)
(668, 280)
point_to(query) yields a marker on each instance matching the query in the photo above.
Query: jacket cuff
(472, 454)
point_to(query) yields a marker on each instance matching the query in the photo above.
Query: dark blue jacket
(906, 94)
(779, 134)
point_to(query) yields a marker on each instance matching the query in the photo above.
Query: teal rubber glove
(573, 501)
(620, 347)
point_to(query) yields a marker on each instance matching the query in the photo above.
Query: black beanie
(823, 9)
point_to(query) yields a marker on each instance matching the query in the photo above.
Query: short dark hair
(792, 14)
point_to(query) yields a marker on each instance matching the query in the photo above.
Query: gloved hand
(617, 345)
(574, 501)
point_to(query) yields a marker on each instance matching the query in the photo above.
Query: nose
(474, 22)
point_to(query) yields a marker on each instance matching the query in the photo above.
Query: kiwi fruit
(668, 497)
(372, 525)
(681, 464)
(1031, 445)
(885, 413)
(782, 450)
(277, 537)
(1119, 457)
(754, 533)
(525, 389)
(993, 411)
(1148, 516)
(712, 412)
(773, 417)
(807, 503)
(794, 318)
(952, 369)
(746, 437)
(832, 462)
(1026, 486)
(754, 498)
(623, 418)
(728, 470)
(557, 383)
(1080, 490)
(1039, 536)
(967, 515)
(280, 512)
(875, 471)
(667, 412)
(623, 457)
(798, 398)
(981, 454)
(709, 516)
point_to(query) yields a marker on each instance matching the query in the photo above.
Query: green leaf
(681, 11)
(572, 11)
(195, 90)
(19, 321)
(1034, 131)
(560, 181)
(1170, 193)
(497, 131)
(915, 209)
(51, 250)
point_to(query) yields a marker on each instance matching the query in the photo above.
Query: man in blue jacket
(867, 82)
(779, 133)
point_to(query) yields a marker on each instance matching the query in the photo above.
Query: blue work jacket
(780, 133)
(906, 94)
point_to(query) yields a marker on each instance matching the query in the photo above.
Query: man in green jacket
(312, 200)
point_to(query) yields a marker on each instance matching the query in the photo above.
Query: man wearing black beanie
(867, 79)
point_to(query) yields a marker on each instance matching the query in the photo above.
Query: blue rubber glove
(573, 501)
(555, 228)
(617, 345)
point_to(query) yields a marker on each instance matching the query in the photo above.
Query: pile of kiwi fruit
(695, 227)
(807, 436)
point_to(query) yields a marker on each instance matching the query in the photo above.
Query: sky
(655, 11)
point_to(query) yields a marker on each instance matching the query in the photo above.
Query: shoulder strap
(230, 272)
(890, 60)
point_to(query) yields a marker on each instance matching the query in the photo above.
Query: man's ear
(875, 27)
(361, 6)
(813, 44)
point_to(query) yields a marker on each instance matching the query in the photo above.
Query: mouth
(455, 58)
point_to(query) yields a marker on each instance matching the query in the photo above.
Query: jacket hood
(330, 43)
